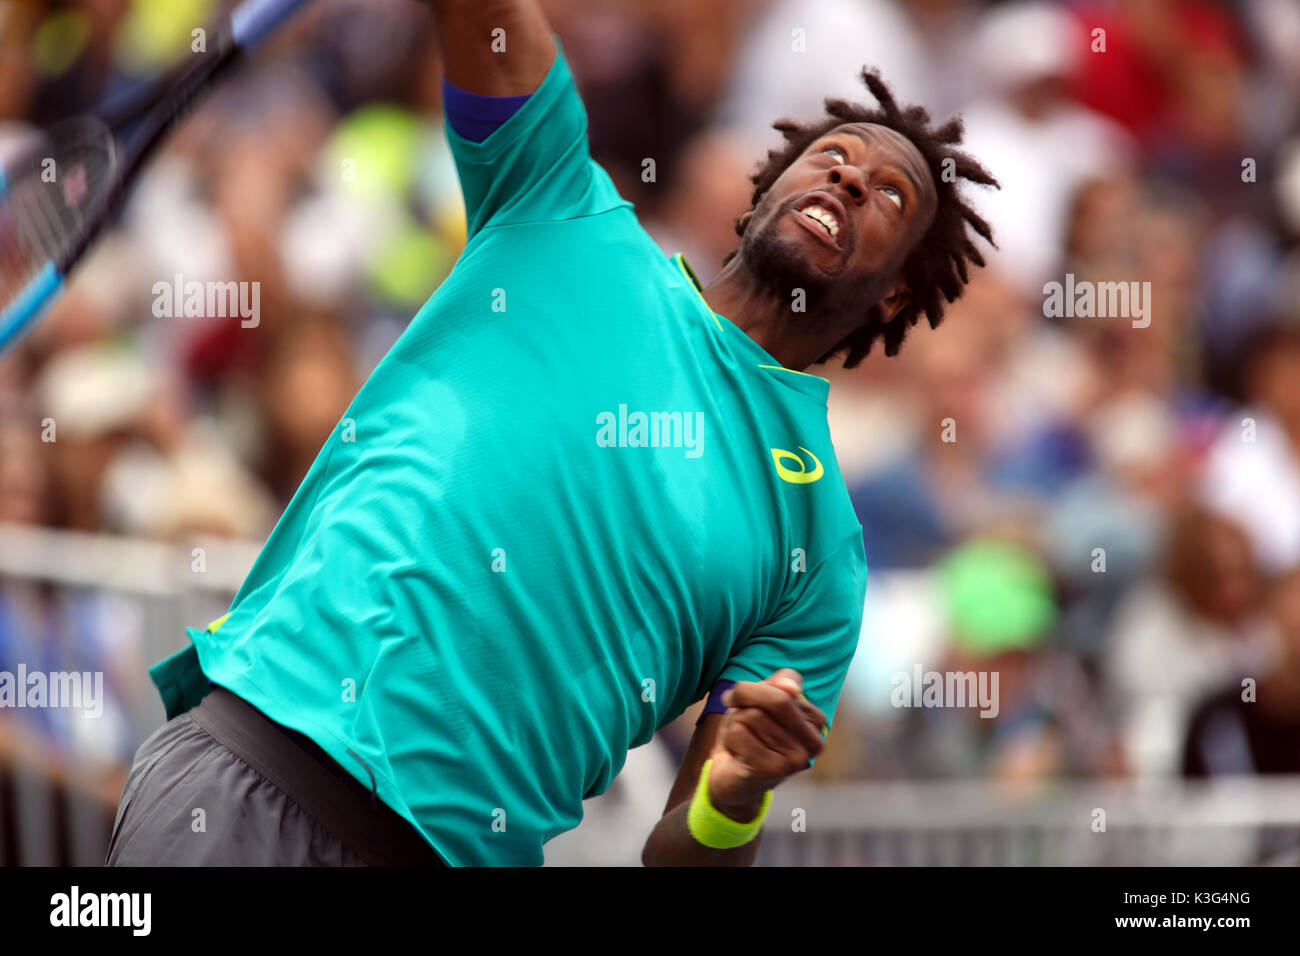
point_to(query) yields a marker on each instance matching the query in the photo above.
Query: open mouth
(822, 216)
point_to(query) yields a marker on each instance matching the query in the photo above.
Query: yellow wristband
(713, 828)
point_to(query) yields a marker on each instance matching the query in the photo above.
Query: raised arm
(494, 47)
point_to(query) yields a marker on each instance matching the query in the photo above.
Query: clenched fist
(770, 732)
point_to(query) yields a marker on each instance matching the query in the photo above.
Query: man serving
(579, 494)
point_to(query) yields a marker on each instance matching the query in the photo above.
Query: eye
(895, 196)
(837, 151)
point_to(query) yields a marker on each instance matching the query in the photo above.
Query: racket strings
(37, 222)
(46, 206)
(30, 231)
(21, 259)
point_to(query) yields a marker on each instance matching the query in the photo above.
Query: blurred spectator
(73, 54)
(1037, 142)
(712, 189)
(1193, 629)
(24, 487)
(17, 78)
(1043, 722)
(303, 384)
(1253, 724)
(977, 428)
(800, 52)
(1253, 472)
(1174, 72)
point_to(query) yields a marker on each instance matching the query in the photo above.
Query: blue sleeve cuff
(714, 705)
(474, 116)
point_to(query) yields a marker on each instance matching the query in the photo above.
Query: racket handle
(254, 20)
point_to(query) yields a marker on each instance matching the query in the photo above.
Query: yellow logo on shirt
(801, 477)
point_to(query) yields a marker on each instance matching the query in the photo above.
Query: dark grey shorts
(213, 787)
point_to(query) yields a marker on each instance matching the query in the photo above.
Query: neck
(796, 339)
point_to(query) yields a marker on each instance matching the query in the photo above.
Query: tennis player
(581, 493)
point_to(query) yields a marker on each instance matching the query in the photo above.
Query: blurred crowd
(1106, 514)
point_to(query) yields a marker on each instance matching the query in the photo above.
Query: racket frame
(167, 102)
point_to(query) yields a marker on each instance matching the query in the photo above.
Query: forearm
(494, 47)
(766, 734)
(670, 843)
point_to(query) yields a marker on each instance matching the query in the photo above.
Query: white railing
(57, 808)
(121, 564)
(171, 583)
(1228, 821)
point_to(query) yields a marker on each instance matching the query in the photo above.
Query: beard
(778, 262)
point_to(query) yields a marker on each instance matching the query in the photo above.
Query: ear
(895, 300)
(743, 222)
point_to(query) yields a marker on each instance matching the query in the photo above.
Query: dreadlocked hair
(935, 270)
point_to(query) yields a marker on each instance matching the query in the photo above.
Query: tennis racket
(61, 191)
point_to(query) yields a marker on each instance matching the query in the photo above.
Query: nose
(851, 180)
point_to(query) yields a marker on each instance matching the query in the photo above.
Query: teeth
(820, 215)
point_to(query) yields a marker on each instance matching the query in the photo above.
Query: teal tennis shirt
(566, 502)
